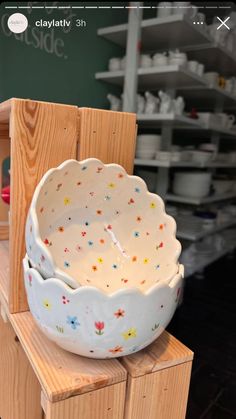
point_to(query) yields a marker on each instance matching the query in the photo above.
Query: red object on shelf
(193, 113)
(5, 193)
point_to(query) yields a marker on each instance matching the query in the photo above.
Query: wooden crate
(37, 376)
(43, 135)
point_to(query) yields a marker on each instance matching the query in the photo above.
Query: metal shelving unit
(169, 76)
(168, 163)
(156, 35)
(192, 228)
(200, 201)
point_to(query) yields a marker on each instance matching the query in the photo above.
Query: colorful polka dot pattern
(103, 228)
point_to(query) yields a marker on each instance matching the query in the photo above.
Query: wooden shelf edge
(165, 352)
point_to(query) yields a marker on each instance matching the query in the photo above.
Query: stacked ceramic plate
(147, 145)
(101, 271)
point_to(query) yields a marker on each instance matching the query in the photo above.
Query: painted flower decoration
(65, 300)
(119, 313)
(67, 201)
(99, 326)
(116, 349)
(73, 322)
(47, 304)
(131, 333)
(66, 264)
(152, 205)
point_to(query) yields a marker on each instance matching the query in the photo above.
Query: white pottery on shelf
(178, 105)
(166, 103)
(192, 184)
(114, 64)
(145, 61)
(160, 59)
(140, 103)
(164, 9)
(90, 323)
(152, 103)
(92, 224)
(201, 156)
(177, 58)
(115, 102)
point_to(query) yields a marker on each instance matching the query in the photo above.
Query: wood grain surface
(108, 136)
(19, 387)
(4, 270)
(5, 109)
(4, 230)
(165, 352)
(62, 374)
(159, 395)
(105, 403)
(43, 135)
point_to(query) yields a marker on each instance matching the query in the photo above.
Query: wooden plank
(165, 352)
(19, 387)
(60, 373)
(159, 395)
(105, 403)
(5, 109)
(107, 135)
(4, 231)
(43, 135)
(4, 270)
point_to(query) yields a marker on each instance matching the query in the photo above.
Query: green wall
(32, 66)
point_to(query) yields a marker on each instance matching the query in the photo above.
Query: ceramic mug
(193, 66)
(164, 9)
(114, 64)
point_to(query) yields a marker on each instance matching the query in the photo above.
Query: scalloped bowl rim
(85, 288)
(40, 243)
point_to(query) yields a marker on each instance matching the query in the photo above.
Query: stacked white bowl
(99, 248)
(147, 146)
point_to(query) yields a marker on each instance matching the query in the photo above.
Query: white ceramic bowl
(149, 140)
(145, 154)
(91, 223)
(192, 184)
(88, 322)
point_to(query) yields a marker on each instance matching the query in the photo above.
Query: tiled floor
(206, 323)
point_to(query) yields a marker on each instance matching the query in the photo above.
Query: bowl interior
(103, 228)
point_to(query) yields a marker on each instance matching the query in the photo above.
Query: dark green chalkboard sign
(58, 63)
